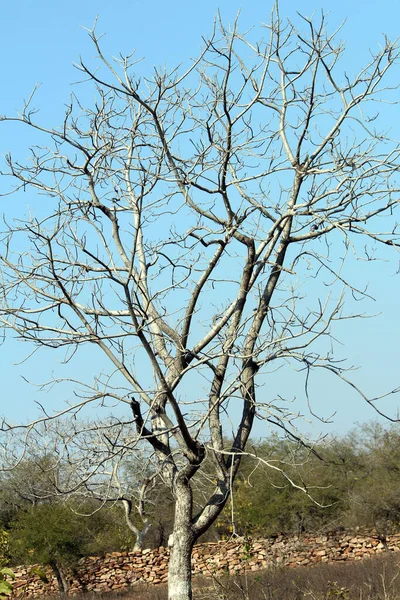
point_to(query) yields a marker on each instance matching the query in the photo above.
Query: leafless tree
(196, 229)
(108, 466)
(81, 461)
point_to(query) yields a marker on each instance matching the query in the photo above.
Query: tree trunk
(180, 567)
(140, 535)
(181, 544)
(61, 579)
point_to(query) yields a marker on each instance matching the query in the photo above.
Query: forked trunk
(181, 544)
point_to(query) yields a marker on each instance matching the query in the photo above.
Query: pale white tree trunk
(181, 544)
(139, 533)
(180, 567)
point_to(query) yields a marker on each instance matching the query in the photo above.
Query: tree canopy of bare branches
(195, 227)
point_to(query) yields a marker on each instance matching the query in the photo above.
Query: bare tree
(107, 465)
(196, 229)
(81, 461)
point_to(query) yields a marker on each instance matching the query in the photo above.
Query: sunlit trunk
(140, 535)
(181, 544)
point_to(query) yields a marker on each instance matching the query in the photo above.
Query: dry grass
(371, 579)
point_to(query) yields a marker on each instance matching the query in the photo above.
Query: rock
(118, 570)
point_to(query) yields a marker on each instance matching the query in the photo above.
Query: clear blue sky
(39, 42)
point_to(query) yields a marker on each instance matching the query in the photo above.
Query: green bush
(6, 587)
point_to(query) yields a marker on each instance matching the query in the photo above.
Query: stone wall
(119, 571)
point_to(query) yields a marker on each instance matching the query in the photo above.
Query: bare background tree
(197, 228)
(95, 465)
(109, 466)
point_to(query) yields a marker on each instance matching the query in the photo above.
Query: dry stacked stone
(121, 570)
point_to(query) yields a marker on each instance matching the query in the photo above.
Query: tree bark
(140, 535)
(181, 544)
(61, 579)
(180, 567)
